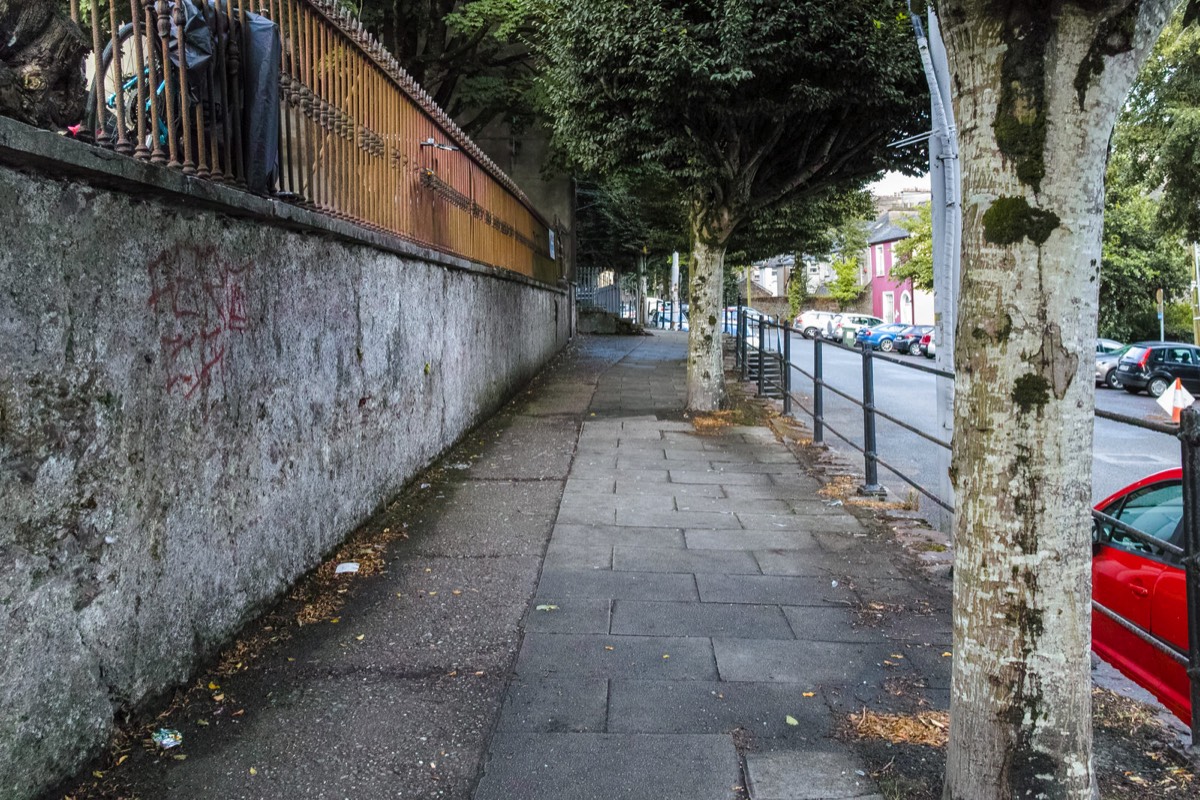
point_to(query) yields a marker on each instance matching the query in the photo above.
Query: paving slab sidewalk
(594, 602)
(696, 594)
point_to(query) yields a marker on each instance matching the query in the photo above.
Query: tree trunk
(41, 51)
(711, 230)
(1038, 90)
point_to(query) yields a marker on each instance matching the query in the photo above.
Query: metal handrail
(1188, 433)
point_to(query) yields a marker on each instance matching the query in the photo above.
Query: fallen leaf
(431, 594)
(808, 694)
(202, 722)
(479, 673)
(122, 759)
(218, 697)
(946, 654)
(335, 620)
(253, 771)
(456, 592)
(896, 655)
(790, 720)
(213, 686)
(546, 607)
(361, 636)
(180, 757)
(97, 774)
(608, 647)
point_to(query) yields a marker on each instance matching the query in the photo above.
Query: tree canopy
(915, 254)
(745, 106)
(470, 55)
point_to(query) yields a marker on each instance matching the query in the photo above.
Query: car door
(1183, 363)
(1141, 583)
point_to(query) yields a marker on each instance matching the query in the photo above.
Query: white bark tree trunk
(1038, 87)
(706, 288)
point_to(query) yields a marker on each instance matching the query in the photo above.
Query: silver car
(1106, 366)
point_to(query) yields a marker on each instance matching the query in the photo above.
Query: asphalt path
(1121, 453)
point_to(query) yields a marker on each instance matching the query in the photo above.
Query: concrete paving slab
(774, 590)
(588, 556)
(717, 707)
(610, 767)
(576, 615)
(808, 775)
(644, 657)
(616, 585)
(617, 535)
(807, 663)
(843, 523)
(721, 478)
(832, 624)
(800, 489)
(677, 519)
(555, 705)
(586, 472)
(648, 502)
(794, 562)
(647, 559)
(752, 540)
(590, 486)
(629, 487)
(724, 505)
(730, 620)
(585, 513)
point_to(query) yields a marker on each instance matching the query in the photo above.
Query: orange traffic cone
(1175, 400)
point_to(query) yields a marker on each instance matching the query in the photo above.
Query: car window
(1134, 353)
(1155, 510)
(1179, 355)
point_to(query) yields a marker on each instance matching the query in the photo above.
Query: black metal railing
(755, 346)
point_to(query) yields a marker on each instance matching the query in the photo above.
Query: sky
(893, 182)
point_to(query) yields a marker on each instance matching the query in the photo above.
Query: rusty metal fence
(766, 359)
(294, 98)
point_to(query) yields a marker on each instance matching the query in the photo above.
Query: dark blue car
(879, 337)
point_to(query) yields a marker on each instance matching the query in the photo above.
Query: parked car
(730, 318)
(879, 337)
(1145, 585)
(1108, 346)
(1154, 366)
(1106, 365)
(813, 323)
(909, 339)
(850, 323)
(925, 344)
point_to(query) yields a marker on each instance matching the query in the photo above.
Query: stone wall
(196, 405)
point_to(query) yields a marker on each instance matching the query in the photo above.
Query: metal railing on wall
(755, 347)
(294, 98)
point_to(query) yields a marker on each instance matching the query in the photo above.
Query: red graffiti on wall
(200, 296)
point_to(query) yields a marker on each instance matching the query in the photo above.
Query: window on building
(879, 261)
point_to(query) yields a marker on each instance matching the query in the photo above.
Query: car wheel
(886, 345)
(1157, 386)
(1131, 389)
(810, 333)
(1110, 379)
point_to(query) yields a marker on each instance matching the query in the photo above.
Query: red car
(1146, 586)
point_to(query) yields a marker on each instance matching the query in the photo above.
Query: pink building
(892, 301)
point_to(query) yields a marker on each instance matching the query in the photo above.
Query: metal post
(787, 369)
(762, 331)
(818, 394)
(743, 324)
(737, 338)
(1189, 438)
(871, 487)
